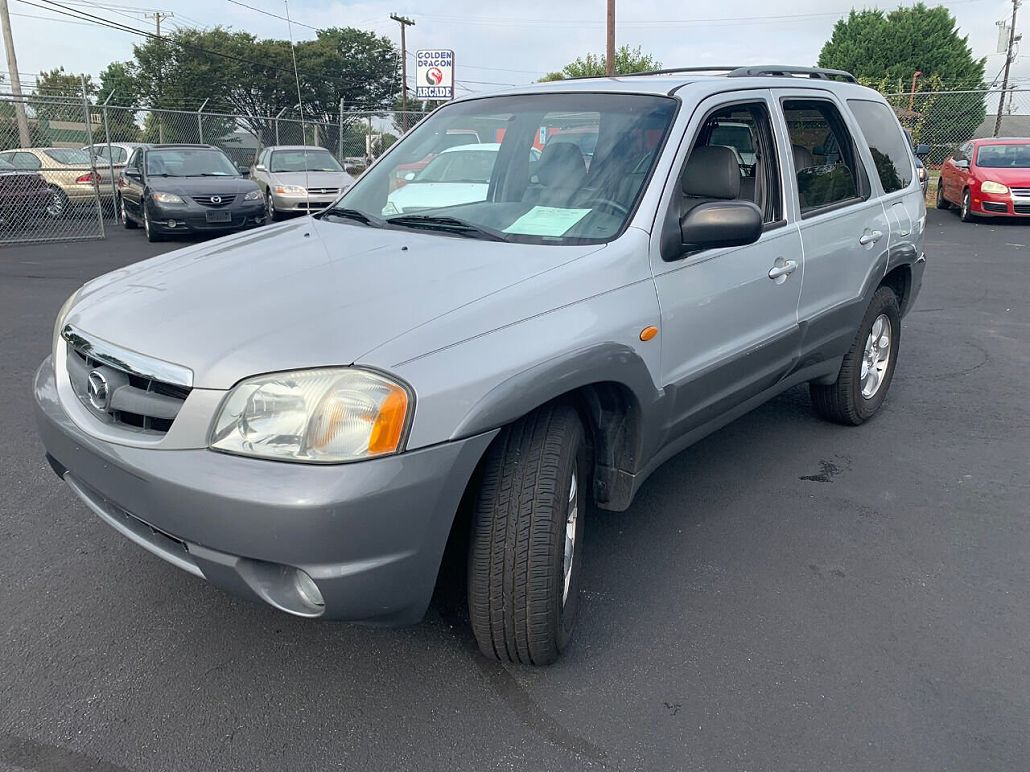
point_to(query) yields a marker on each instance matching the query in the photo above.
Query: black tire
(966, 212)
(518, 605)
(271, 214)
(59, 205)
(127, 222)
(842, 401)
(152, 235)
(942, 202)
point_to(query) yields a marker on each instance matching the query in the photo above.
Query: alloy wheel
(572, 514)
(876, 357)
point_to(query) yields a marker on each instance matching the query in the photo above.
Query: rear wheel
(59, 203)
(942, 202)
(527, 534)
(868, 368)
(966, 212)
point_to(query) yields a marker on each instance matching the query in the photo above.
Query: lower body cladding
(359, 542)
(177, 219)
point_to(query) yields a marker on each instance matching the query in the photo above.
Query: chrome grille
(223, 200)
(323, 191)
(122, 388)
(1021, 192)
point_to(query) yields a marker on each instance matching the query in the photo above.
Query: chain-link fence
(49, 186)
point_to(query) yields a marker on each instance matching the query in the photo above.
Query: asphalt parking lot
(786, 595)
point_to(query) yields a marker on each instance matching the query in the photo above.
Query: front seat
(711, 174)
(560, 174)
(803, 158)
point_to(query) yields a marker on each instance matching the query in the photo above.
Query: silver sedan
(298, 178)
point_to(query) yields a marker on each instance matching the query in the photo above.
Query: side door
(132, 183)
(729, 315)
(888, 152)
(844, 229)
(957, 173)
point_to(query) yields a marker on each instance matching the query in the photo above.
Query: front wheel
(868, 368)
(152, 235)
(127, 222)
(966, 212)
(271, 213)
(942, 202)
(525, 555)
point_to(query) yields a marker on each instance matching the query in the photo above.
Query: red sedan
(987, 177)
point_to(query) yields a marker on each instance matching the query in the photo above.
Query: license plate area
(219, 216)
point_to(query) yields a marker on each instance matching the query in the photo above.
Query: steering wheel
(607, 203)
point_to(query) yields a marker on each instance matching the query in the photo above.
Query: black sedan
(172, 189)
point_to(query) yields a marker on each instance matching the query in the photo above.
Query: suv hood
(306, 293)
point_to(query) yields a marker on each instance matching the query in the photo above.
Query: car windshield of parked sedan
(1003, 156)
(69, 157)
(300, 160)
(527, 183)
(190, 162)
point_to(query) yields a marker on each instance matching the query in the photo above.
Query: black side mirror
(720, 224)
(922, 150)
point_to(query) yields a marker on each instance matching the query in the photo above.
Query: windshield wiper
(356, 215)
(447, 225)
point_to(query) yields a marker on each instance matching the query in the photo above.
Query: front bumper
(194, 217)
(293, 202)
(371, 534)
(999, 205)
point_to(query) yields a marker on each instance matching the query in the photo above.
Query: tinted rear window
(891, 153)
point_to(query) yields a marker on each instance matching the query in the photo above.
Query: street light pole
(405, 22)
(12, 69)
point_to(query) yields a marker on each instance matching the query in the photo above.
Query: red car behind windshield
(987, 177)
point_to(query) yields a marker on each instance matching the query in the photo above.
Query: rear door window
(890, 151)
(826, 165)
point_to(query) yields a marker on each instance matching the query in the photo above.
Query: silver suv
(306, 416)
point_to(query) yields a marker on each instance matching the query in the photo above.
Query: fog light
(171, 223)
(307, 589)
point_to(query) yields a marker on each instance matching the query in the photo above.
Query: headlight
(252, 196)
(993, 187)
(59, 322)
(328, 416)
(296, 190)
(166, 198)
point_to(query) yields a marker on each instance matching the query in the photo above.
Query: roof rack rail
(669, 71)
(817, 73)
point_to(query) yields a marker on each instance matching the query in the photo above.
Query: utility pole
(609, 62)
(1009, 55)
(158, 17)
(405, 22)
(12, 68)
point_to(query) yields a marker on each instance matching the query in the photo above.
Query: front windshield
(547, 168)
(1003, 156)
(303, 160)
(190, 162)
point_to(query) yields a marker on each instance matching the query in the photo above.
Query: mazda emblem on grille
(98, 391)
(216, 199)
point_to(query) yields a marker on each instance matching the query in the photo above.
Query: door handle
(870, 237)
(782, 269)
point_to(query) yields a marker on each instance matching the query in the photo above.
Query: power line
(100, 21)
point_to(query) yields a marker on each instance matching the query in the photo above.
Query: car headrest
(803, 158)
(561, 163)
(712, 172)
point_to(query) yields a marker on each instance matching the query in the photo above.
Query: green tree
(593, 65)
(57, 106)
(884, 50)
(119, 90)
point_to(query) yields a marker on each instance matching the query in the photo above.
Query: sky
(495, 44)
